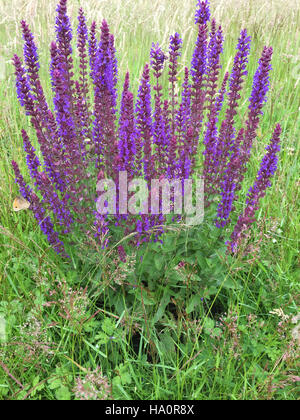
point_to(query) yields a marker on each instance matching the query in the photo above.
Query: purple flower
(184, 113)
(172, 158)
(127, 134)
(122, 254)
(151, 136)
(23, 88)
(102, 229)
(261, 81)
(215, 48)
(144, 124)
(198, 70)
(174, 54)
(220, 98)
(33, 162)
(257, 99)
(186, 160)
(63, 40)
(229, 183)
(186, 94)
(202, 15)
(158, 58)
(32, 63)
(267, 169)
(104, 78)
(39, 212)
(82, 32)
(210, 140)
(92, 47)
(30, 50)
(227, 130)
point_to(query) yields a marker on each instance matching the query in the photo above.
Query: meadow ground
(241, 342)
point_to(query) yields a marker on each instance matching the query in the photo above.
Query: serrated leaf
(108, 326)
(63, 394)
(54, 383)
(208, 325)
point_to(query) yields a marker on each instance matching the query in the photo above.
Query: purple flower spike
(229, 183)
(63, 39)
(33, 162)
(25, 190)
(144, 123)
(174, 53)
(32, 62)
(122, 254)
(202, 15)
(92, 47)
(227, 130)
(30, 50)
(23, 88)
(267, 169)
(104, 78)
(127, 134)
(215, 48)
(39, 212)
(82, 32)
(158, 58)
(124, 93)
(186, 94)
(102, 229)
(261, 81)
(198, 71)
(257, 99)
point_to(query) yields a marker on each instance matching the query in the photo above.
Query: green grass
(163, 347)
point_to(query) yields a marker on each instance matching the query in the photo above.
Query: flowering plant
(87, 138)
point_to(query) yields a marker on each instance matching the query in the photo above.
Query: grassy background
(272, 280)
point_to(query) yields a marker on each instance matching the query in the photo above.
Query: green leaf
(194, 301)
(54, 383)
(212, 290)
(208, 325)
(169, 244)
(124, 376)
(174, 277)
(159, 260)
(162, 306)
(108, 326)
(147, 298)
(63, 394)
(35, 381)
(167, 344)
(201, 260)
(101, 338)
(230, 284)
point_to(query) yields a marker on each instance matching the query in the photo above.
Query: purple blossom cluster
(203, 12)
(267, 169)
(86, 137)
